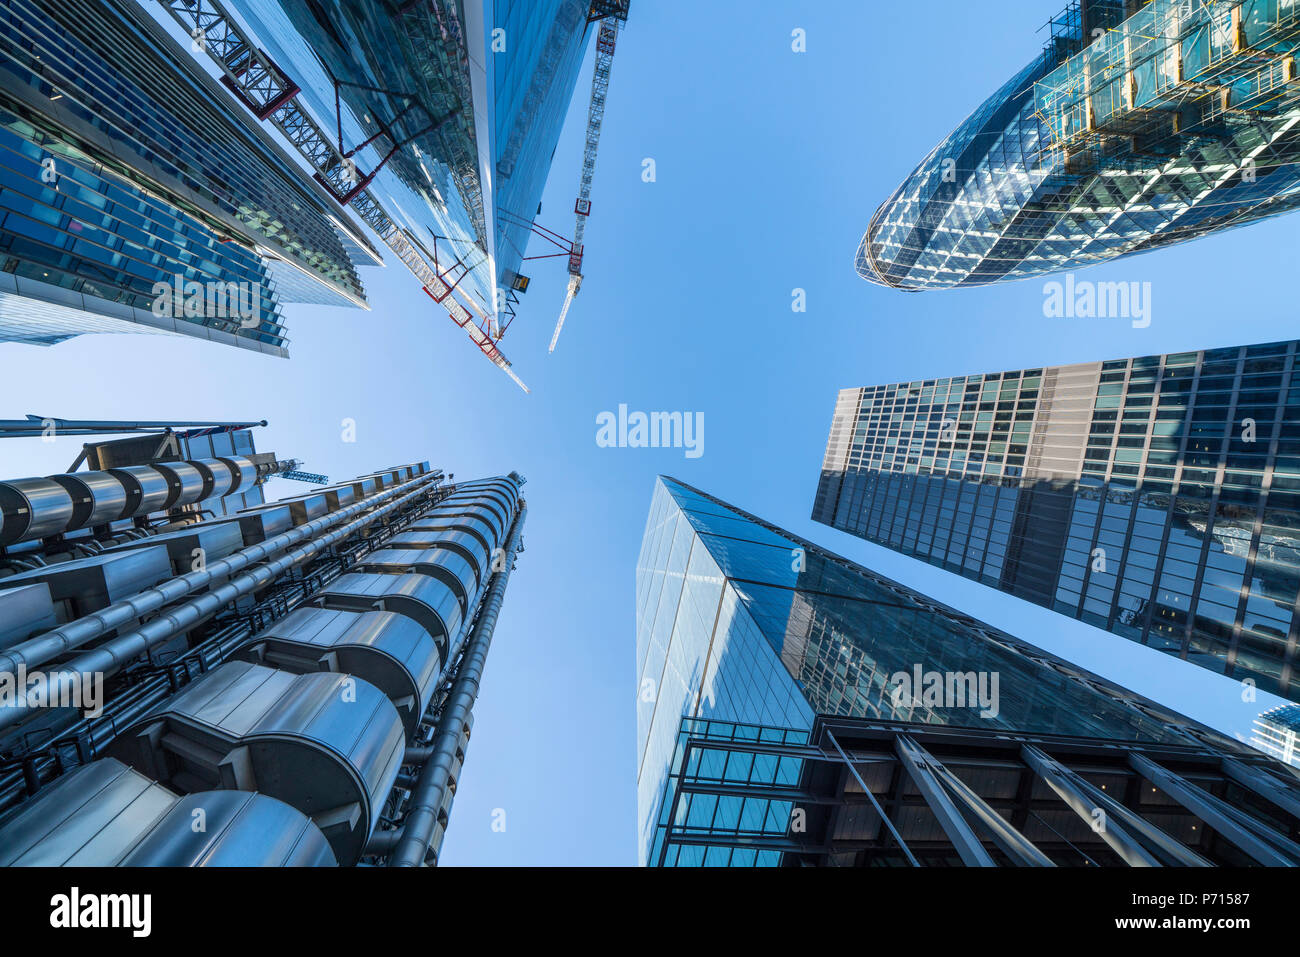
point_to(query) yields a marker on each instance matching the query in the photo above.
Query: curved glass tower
(1173, 123)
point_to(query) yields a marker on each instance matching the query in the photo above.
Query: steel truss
(887, 792)
(272, 97)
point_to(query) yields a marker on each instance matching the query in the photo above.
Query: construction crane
(297, 475)
(611, 16)
(273, 97)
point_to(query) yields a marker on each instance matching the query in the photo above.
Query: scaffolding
(1173, 70)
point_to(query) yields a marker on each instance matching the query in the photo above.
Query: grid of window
(158, 124)
(406, 75)
(751, 817)
(1277, 732)
(1178, 524)
(96, 235)
(532, 84)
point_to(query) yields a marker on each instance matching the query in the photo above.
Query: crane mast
(605, 41)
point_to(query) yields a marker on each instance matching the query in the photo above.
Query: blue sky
(769, 164)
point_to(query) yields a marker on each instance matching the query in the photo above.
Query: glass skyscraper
(125, 169)
(1276, 733)
(463, 102)
(1156, 497)
(1142, 124)
(759, 655)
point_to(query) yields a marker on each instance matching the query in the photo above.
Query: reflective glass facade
(83, 254)
(868, 792)
(1176, 122)
(1156, 497)
(532, 86)
(105, 81)
(1277, 732)
(473, 95)
(741, 622)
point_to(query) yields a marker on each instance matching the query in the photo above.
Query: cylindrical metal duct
(98, 498)
(147, 489)
(218, 479)
(245, 472)
(33, 508)
(431, 787)
(185, 480)
(110, 655)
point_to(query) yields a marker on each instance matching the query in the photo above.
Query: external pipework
(36, 651)
(378, 635)
(431, 786)
(106, 658)
(39, 508)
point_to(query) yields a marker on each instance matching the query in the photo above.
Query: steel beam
(1138, 842)
(1261, 783)
(1014, 844)
(1243, 832)
(874, 803)
(924, 773)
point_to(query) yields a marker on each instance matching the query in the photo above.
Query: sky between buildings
(768, 166)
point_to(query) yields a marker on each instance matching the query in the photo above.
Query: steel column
(923, 771)
(1126, 832)
(1016, 846)
(435, 776)
(1251, 837)
(1261, 783)
(874, 803)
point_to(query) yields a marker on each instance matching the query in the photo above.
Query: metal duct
(504, 486)
(110, 655)
(464, 544)
(453, 515)
(33, 508)
(147, 489)
(263, 524)
(243, 470)
(219, 478)
(191, 547)
(303, 510)
(97, 581)
(98, 498)
(186, 482)
(330, 745)
(336, 496)
(25, 610)
(363, 486)
(104, 814)
(428, 600)
(499, 505)
(475, 524)
(391, 651)
(442, 563)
